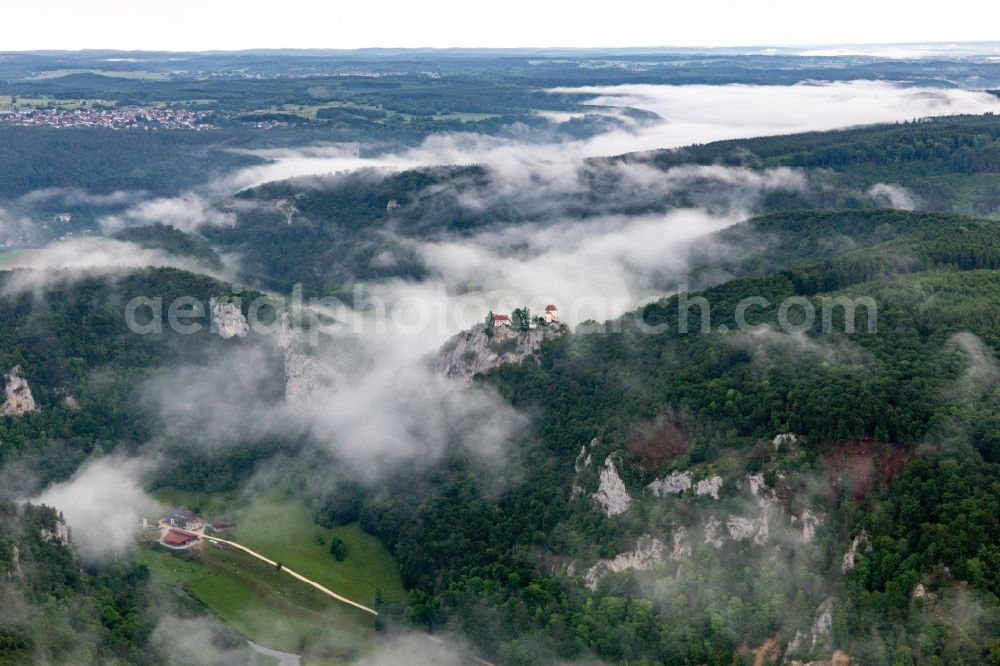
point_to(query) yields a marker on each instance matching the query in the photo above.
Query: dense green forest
(69, 614)
(713, 402)
(171, 240)
(864, 464)
(342, 223)
(72, 340)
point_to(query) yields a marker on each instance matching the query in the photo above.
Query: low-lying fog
(690, 114)
(613, 259)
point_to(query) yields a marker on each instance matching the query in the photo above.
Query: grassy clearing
(264, 604)
(7, 103)
(268, 606)
(286, 532)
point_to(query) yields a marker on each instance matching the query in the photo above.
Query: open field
(269, 606)
(7, 102)
(112, 73)
(264, 604)
(284, 531)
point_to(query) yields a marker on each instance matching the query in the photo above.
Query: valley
(601, 357)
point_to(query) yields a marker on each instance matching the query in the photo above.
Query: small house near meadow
(185, 520)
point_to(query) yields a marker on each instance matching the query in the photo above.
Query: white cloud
(895, 196)
(103, 504)
(88, 256)
(594, 269)
(691, 114)
(187, 212)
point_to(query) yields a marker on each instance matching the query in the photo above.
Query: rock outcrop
(58, 534)
(819, 635)
(17, 394)
(612, 494)
(858, 544)
(15, 564)
(582, 462)
(648, 551)
(680, 481)
(784, 440)
(473, 352)
(681, 549)
(306, 377)
(227, 320)
(709, 486)
(674, 484)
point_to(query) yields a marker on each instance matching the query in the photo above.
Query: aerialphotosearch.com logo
(438, 310)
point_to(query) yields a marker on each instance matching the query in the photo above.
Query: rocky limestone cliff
(306, 377)
(612, 495)
(15, 564)
(680, 480)
(58, 534)
(648, 551)
(859, 544)
(473, 352)
(17, 394)
(227, 319)
(819, 635)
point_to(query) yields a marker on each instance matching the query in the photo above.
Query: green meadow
(269, 606)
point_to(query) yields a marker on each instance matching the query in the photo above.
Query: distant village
(118, 118)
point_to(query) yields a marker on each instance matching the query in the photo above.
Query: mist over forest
(634, 356)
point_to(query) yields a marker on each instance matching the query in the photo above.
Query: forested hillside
(68, 615)
(758, 489)
(325, 232)
(893, 440)
(84, 365)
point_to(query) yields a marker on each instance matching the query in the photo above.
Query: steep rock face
(15, 564)
(306, 377)
(648, 551)
(227, 319)
(612, 494)
(680, 481)
(58, 534)
(17, 394)
(858, 544)
(582, 462)
(709, 486)
(682, 548)
(819, 635)
(676, 483)
(473, 352)
(760, 525)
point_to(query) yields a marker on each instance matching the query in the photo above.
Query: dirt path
(291, 573)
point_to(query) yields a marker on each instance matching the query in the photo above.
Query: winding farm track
(302, 578)
(293, 574)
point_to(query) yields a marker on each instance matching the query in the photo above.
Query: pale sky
(242, 24)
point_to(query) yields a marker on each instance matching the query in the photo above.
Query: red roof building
(175, 538)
